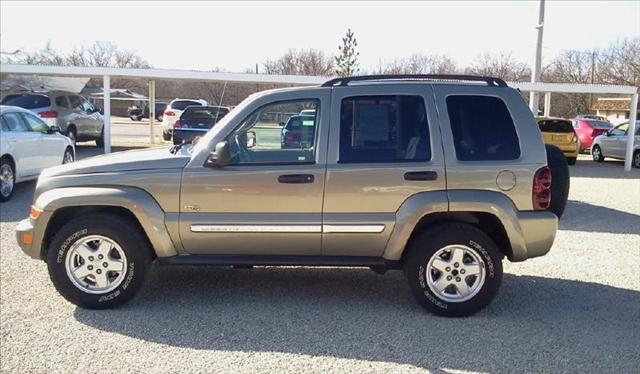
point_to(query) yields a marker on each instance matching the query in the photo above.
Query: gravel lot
(575, 310)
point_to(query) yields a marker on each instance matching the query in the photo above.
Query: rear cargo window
(27, 101)
(482, 128)
(182, 104)
(202, 112)
(555, 125)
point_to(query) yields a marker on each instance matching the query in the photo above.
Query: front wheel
(68, 156)
(636, 159)
(596, 153)
(98, 261)
(571, 160)
(453, 269)
(100, 140)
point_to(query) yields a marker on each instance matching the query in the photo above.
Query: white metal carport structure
(157, 74)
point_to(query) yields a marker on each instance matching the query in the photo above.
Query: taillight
(541, 192)
(48, 114)
(574, 138)
(169, 113)
(177, 125)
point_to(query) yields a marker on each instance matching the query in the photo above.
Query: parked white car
(613, 144)
(27, 146)
(173, 112)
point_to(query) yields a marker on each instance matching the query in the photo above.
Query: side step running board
(230, 260)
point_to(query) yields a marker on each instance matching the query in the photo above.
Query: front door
(384, 147)
(269, 199)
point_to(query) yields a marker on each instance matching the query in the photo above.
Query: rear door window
(76, 102)
(482, 128)
(14, 122)
(27, 101)
(384, 129)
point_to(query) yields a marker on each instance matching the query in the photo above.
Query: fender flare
(140, 203)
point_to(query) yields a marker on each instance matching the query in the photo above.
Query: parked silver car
(613, 144)
(74, 115)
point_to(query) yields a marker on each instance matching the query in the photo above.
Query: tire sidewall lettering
(67, 243)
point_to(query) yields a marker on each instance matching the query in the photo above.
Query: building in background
(615, 109)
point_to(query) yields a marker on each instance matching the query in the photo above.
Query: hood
(139, 159)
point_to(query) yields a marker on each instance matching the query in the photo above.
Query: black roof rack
(344, 81)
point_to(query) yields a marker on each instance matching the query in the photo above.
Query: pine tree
(347, 59)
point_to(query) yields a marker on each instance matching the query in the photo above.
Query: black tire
(72, 134)
(7, 187)
(68, 156)
(560, 181)
(132, 242)
(636, 159)
(571, 160)
(100, 140)
(166, 136)
(428, 243)
(596, 154)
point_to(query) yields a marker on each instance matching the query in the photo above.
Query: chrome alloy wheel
(7, 180)
(455, 273)
(96, 264)
(68, 157)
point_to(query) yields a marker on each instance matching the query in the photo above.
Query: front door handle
(421, 176)
(296, 178)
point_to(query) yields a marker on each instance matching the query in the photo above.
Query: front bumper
(25, 237)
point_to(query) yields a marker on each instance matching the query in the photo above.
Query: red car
(587, 129)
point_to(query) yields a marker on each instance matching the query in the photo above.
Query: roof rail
(344, 81)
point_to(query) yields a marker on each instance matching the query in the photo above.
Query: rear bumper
(538, 233)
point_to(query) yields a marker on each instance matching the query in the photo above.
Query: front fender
(143, 206)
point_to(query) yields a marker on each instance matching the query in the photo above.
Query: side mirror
(53, 130)
(608, 133)
(251, 139)
(221, 156)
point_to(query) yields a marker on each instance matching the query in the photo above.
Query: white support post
(547, 104)
(631, 132)
(537, 62)
(152, 110)
(106, 100)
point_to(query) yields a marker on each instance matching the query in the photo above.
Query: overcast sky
(235, 36)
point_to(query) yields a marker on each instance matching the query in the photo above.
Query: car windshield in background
(200, 112)
(555, 125)
(182, 104)
(27, 101)
(600, 124)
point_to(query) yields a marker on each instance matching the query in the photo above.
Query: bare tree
(418, 64)
(501, 65)
(300, 62)
(620, 63)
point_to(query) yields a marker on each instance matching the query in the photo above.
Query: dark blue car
(196, 121)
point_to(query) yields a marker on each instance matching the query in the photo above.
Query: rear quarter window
(27, 101)
(482, 128)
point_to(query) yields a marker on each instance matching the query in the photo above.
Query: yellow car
(559, 132)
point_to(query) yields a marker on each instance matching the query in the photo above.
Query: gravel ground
(575, 310)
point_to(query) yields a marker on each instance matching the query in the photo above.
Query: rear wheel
(72, 134)
(166, 135)
(98, 261)
(596, 153)
(636, 159)
(7, 179)
(100, 140)
(560, 181)
(453, 269)
(68, 156)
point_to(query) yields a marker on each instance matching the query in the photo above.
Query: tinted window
(27, 101)
(76, 102)
(482, 128)
(61, 101)
(3, 125)
(600, 124)
(182, 104)
(555, 125)
(204, 112)
(260, 139)
(384, 129)
(14, 122)
(35, 123)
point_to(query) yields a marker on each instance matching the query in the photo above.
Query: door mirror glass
(221, 156)
(251, 139)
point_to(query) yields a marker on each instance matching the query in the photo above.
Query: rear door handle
(296, 178)
(421, 176)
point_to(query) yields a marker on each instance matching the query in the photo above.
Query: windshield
(27, 101)
(555, 125)
(182, 104)
(600, 124)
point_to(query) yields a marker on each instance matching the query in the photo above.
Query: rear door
(50, 151)
(384, 146)
(25, 144)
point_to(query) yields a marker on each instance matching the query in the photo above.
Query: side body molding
(408, 216)
(137, 201)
